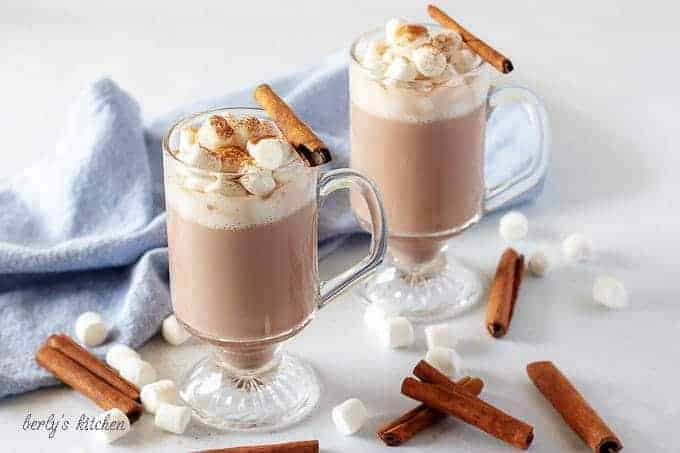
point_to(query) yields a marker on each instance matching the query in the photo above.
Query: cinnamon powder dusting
(233, 158)
(221, 126)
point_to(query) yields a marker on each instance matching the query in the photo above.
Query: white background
(607, 71)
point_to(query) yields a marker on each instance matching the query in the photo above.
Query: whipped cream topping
(235, 172)
(416, 73)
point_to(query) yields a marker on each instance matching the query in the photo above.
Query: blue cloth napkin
(84, 229)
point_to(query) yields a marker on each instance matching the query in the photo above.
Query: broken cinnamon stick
(503, 293)
(305, 446)
(421, 417)
(65, 344)
(87, 383)
(471, 410)
(573, 408)
(485, 51)
(310, 147)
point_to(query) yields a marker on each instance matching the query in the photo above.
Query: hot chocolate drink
(418, 118)
(242, 235)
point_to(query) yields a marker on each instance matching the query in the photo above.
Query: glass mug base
(279, 394)
(432, 292)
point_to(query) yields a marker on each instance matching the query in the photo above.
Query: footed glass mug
(422, 142)
(244, 278)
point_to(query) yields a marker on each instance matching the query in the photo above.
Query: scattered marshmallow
(118, 354)
(157, 393)
(349, 416)
(376, 314)
(397, 332)
(112, 425)
(440, 335)
(173, 332)
(270, 153)
(137, 371)
(172, 418)
(513, 226)
(260, 183)
(577, 247)
(90, 329)
(443, 359)
(539, 263)
(401, 69)
(428, 61)
(610, 292)
(215, 132)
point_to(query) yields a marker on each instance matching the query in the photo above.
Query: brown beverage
(421, 138)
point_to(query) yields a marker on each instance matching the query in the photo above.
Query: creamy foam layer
(416, 102)
(296, 189)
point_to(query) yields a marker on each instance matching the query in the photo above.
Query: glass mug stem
(350, 179)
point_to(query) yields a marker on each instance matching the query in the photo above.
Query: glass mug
(423, 144)
(244, 278)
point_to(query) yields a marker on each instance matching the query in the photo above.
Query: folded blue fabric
(84, 229)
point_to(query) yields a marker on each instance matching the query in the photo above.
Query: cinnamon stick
(84, 381)
(573, 408)
(421, 417)
(65, 344)
(310, 147)
(471, 410)
(503, 293)
(485, 51)
(305, 446)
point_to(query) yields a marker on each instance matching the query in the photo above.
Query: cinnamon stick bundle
(471, 410)
(503, 293)
(573, 408)
(421, 417)
(65, 344)
(485, 51)
(310, 147)
(305, 446)
(75, 375)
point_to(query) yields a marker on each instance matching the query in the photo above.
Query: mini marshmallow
(90, 329)
(225, 186)
(215, 132)
(391, 29)
(610, 292)
(443, 359)
(172, 418)
(157, 393)
(513, 226)
(137, 371)
(118, 354)
(112, 425)
(428, 61)
(373, 57)
(260, 183)
(440, 335)
(397, 332)
(464, 61)
(198, 157)
(401, 69)
(187, 137)
(539, 263)
(349, 416)
(270, 153)
(577, 247)
(173, 332)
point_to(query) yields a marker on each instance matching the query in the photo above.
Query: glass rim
(165, 143)
(414, 83)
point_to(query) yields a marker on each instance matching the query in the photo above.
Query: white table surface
(607, 71)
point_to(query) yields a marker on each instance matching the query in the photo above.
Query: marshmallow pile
(414, 52)
(158, 397)
(245, 154)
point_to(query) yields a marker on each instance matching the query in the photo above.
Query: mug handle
(346, 178)
(517, 185)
